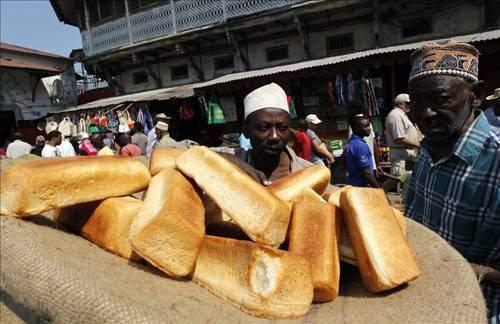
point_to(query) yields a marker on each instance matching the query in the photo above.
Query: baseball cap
(312, 118)
(402, 97)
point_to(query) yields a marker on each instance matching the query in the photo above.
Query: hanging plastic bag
(215, 113)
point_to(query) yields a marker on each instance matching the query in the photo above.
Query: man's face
(312, 126)
(59, 140)
(268, 131)
(364, 127)
(441, 104)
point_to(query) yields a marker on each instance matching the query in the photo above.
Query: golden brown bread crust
(259, 280)
(262, 215)
(36, 186)
(382, 253)
(164, 157)
(169, 228)
(106, 223)
(313, 236)
(288, 188)
(346, 252)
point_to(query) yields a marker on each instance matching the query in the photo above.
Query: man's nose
(426, 112)
(273, 134)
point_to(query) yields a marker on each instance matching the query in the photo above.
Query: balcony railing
(176, 16)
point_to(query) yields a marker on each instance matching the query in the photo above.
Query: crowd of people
(454, 186)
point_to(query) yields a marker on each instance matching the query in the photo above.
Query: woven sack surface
(60, 277)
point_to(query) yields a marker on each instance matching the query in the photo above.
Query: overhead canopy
(489, 35)
(183, 91)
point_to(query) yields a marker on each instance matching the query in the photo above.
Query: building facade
(141, 45)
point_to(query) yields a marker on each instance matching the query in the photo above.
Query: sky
(34, 24)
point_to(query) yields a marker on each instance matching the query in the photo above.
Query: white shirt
(151, 141)
(17, 148)
(66, 149)
(50, 151)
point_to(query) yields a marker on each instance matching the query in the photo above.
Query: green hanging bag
(215, 113)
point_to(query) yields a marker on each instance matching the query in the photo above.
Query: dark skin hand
(269, 131)
(443, 110)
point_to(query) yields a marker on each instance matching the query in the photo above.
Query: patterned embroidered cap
(449, 57)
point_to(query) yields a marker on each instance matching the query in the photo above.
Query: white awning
(183, 91)
(489, 35)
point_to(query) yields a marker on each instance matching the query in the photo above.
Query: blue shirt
(358, 157)
(245, 142)
(458, 197)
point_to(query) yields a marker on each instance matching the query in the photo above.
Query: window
(277, 53)
(179, 72)
(140, 77)
(224, 62)
(104, 9)
(417, 26)
(340, 43)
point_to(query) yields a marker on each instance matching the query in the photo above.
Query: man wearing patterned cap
(454, 189)
(267, 125)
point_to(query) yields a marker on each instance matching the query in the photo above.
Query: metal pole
(224, 10)
(127, 14)
(87, 25)
(174, 19)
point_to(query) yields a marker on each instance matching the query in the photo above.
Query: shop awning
(489, 35)
(184, 91)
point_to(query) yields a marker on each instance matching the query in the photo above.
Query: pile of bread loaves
(191, 190)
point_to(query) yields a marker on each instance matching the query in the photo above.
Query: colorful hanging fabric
(215, 113)
(331, 93)
(339, 90)
(186, 112)
(291, 107)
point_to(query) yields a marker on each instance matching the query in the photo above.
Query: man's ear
(478, 93)
(245, 129)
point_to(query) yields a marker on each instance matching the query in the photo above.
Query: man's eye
(283, 128)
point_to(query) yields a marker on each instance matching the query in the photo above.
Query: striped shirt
(458, 197)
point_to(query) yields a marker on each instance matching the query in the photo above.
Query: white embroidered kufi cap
(268, 96)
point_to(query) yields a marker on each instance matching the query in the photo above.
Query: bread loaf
(258, 280)
(105, 223)
(163, 157)
(313, 236)
(36, 186)
(169, 228)
(382, 253)
(288, 188)
(258, 212)
(346, 252)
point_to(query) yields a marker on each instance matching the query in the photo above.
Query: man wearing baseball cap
(402, 136)
(267, 125)
(318, 151)
(492, 113)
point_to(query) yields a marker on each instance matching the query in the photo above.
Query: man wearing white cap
(152, 141)
(267, 125)
(162, 137)
(402, 136)
(318, 151)
(493, 112)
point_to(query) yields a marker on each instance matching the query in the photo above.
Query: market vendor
(152, 136)
(454, 189)
(267, 125)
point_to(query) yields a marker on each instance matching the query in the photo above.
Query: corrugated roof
(16, 64)
(25, 50)
(489, 35)
(183, 91)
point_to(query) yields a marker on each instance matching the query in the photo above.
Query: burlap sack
(50, 275)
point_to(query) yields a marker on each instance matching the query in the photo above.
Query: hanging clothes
(331, 93)
(186, 111)
(291, 107)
